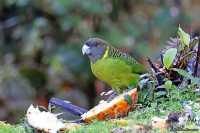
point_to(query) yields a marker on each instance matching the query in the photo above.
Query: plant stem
(154, 82)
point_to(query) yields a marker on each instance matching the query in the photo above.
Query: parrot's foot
(112, 96)
(129, 89)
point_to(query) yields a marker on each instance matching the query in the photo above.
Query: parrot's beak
(86, 49)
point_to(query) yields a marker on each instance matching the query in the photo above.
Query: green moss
(12, 129)
(142, 115)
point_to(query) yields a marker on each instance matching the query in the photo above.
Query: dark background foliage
(41, 41)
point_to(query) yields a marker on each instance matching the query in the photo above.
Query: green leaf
(159, 99)
(183, 89)
(149, 85)
(52, 108)
(140, 96)
(197, 94)
(60, 113)
(183, 72)
(160, 86)
(174, 91)
(184, 36)
(195, 80)
(158, 73)
(189, 86)
(169, 57)
(181, 45)
(42, 108)
(143, 82)
(65, 121)
(161, 93)
(145, 93)
(168, 84)
(22, 120)
(49, 107)
(145, 75)
(173, 87)
(25, 112)
(128, 99)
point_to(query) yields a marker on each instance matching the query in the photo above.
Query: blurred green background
(41, 42)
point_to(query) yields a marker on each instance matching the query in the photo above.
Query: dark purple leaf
(171, 43)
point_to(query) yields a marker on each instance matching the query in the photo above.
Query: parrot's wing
(136, 66)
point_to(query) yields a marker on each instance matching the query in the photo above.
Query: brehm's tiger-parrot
(110, 65)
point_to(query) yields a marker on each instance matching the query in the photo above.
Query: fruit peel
(116, 108)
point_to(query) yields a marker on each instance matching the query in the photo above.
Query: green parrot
(110, 65)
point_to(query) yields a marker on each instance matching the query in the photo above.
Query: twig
(154, 68)
(161, 57)
(192, 34)
(67, 107)
(197, 59)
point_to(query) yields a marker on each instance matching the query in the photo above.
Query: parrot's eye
(96, 44)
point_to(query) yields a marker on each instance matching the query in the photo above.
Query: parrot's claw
(129, 89)
(112, 96)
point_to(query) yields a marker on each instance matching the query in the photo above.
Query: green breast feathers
(117, 69)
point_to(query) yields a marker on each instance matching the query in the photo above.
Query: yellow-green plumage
(115, 68)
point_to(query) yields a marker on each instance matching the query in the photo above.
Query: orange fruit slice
(116, 108)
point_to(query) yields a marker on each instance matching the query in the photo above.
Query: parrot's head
(95, 48)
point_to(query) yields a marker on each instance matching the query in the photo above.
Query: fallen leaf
(122, 122)
(138, 127)
(70, 126)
